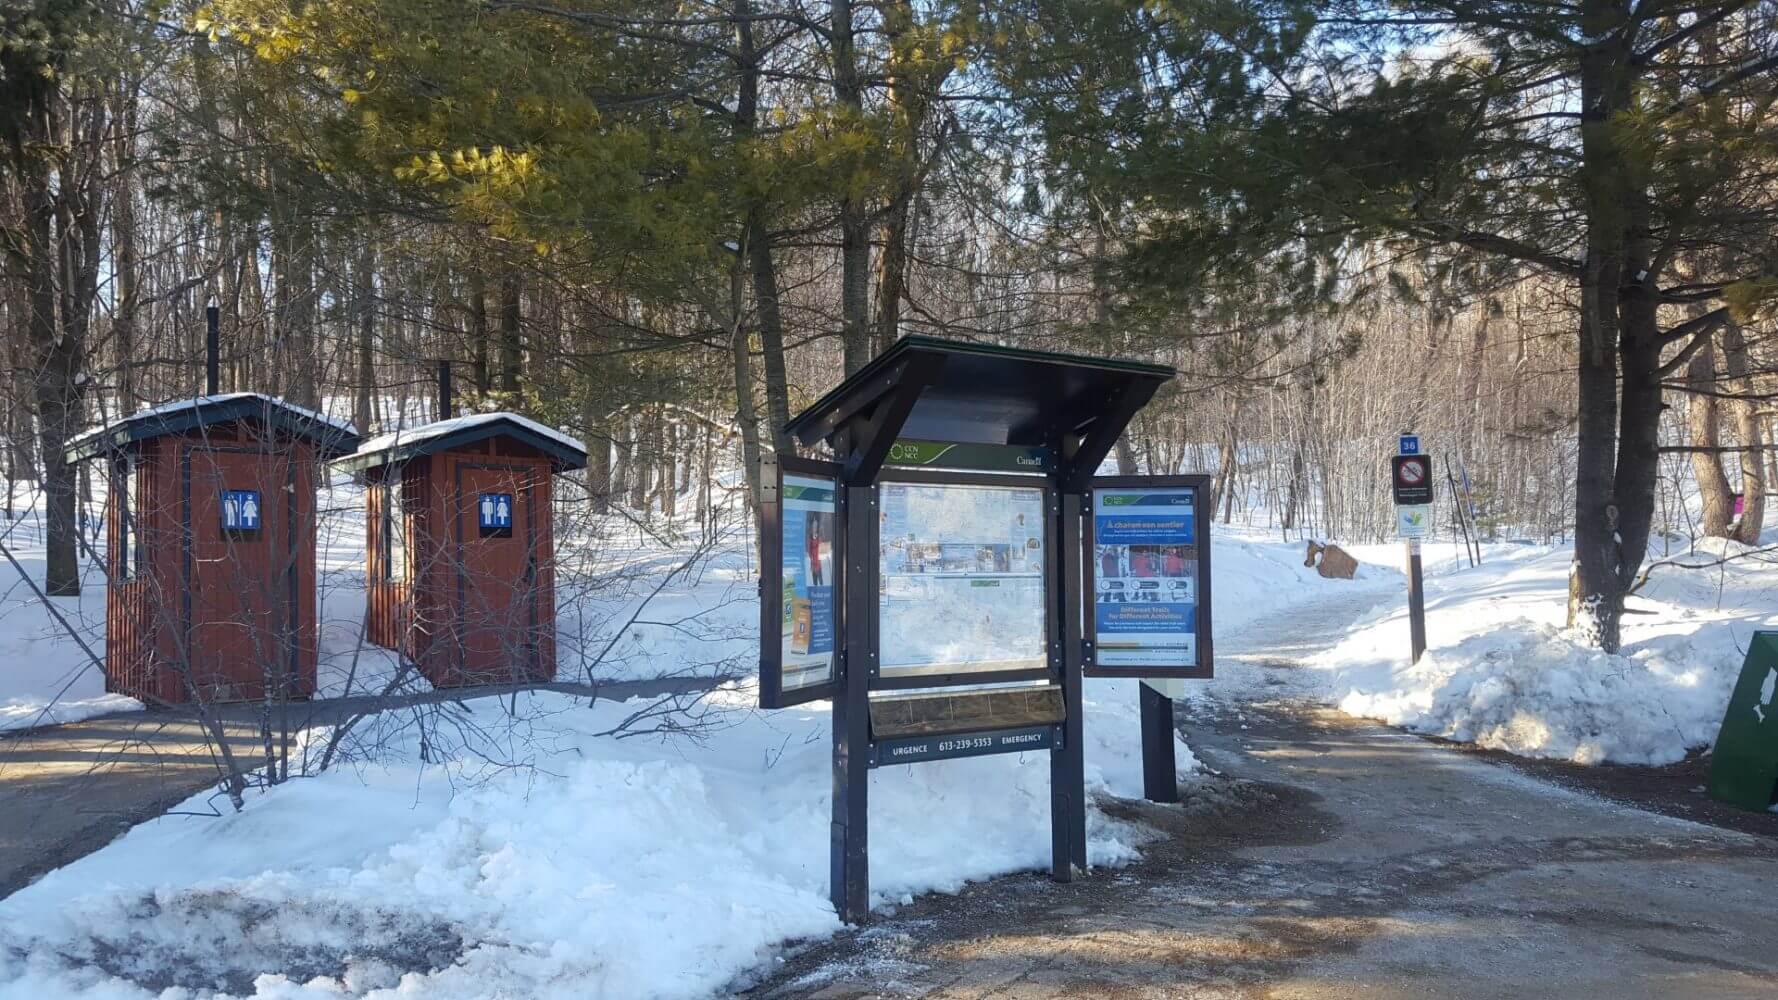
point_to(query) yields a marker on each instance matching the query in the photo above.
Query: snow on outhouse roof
(332, 435)
(442, 435)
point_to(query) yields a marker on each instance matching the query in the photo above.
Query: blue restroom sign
(241, 510)
(494, 511)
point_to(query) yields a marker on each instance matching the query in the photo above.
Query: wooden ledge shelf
(965, 711)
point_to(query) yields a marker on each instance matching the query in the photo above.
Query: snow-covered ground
(1502, 671)
(542, 860)
(540, 855)
(45, 675)
(522, 848)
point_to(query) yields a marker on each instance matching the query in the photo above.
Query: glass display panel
(962, 579)
(1145, 570)
(808, 626)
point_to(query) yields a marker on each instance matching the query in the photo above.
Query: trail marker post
(1411, 480)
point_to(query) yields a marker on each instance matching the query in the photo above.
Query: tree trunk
(57, 361)
(669, 474)
(512, 357)
(756, 239)
(641, 461)
(1293, 489)
(598, 455)
(1596, 591)
(1703, 420)
(892, 268)
(771, 333)
(129, 262)
(64, 272)
(367, 370)
(1126, 456)
(908, 100)
(1751, 435)
(624, 444)
(854, 223)
(745, 414)
(478, 335)
(302, 344)
(1223, 491)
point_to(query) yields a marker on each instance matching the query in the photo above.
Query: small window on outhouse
(129, 542)
(394, 532)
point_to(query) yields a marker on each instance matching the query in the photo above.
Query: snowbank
(544, 861)
(1502, 671)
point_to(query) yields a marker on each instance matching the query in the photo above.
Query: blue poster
(1162, 517)
(1145, 577)
(241, 510)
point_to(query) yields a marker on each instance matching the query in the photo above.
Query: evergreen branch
(1647, 55)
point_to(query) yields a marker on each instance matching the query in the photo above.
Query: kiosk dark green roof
(928, 389)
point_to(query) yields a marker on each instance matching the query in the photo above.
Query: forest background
(1542, 235)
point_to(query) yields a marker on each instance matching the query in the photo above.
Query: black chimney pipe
(212, 350)
(444, 390)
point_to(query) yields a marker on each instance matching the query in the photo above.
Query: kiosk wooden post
(850, 882)
(1159, 767)
(1068, 806)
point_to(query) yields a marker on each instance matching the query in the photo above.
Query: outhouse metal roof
(984, 394)
(406, 443)
(331, 435)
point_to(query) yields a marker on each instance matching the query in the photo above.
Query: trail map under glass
(808, 627)
(962, 579)
(1145, 577)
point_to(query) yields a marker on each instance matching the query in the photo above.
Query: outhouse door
(241, 573)
(497, 571)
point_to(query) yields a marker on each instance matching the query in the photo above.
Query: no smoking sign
(1413, 479)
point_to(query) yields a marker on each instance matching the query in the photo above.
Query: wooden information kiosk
(930, 579)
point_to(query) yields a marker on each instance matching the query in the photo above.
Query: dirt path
(1334, 858)
(66, 791)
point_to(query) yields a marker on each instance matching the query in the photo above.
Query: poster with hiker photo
(808, 627)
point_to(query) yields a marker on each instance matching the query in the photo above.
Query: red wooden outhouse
(460, 575)
(210, 551)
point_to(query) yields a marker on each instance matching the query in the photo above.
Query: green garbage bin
(1744, 767)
